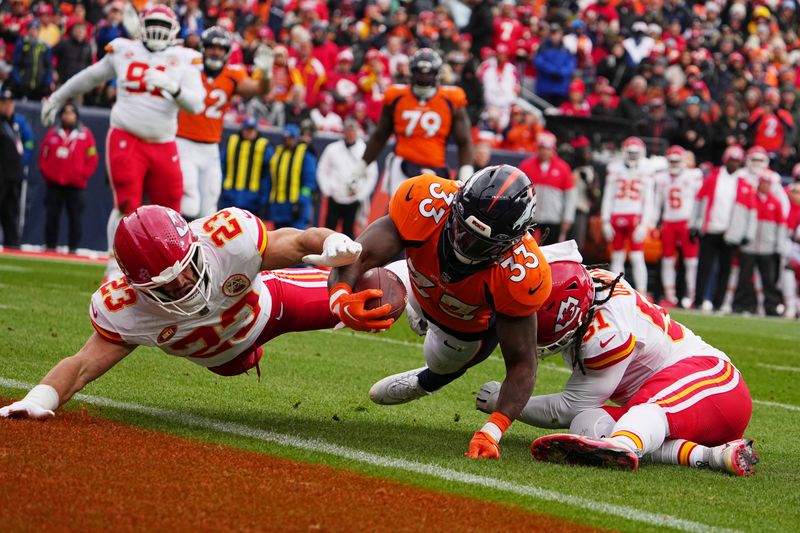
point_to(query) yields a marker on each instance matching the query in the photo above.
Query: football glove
(465, 172)
(483, 446)
(349, 307)
(486, 400)
(263, 61)
(337, 250)
(49, 111)
(608, 231)
(158, 79)
(639, 233)
(38, 404)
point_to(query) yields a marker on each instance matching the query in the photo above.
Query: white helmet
(159, 27)
(633, 151)
(676, 156)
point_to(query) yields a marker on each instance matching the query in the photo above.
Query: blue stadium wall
(98, 193)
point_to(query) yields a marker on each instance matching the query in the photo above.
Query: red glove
(483, 446)
(349, 307)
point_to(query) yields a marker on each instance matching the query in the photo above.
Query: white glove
(158, 79)
(337, 250)
(38, 404)
(639, 233)
(49, 110)
(608, 231)
(486, 400)
(465, 172)
(263, 60)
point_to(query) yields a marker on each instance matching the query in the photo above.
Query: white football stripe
(779, 367)
(321, 446)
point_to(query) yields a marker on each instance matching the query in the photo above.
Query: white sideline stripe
(779, 367)
(318, 445)
(775, 404)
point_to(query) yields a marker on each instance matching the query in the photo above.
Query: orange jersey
(422, 129)
(206, 127)
(517, 285)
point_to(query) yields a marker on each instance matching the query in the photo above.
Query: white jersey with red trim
(629, 190)
(234, 242)
(677, 194)
(149, 114)
(637, 337)
(628, 341)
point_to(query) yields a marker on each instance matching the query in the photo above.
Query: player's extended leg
(126, 165)
(190, 161)
(789, 288)
(638, 265)
(163, 183)
(447, 358)
(211, 181)
(668, 262)
(691, 251)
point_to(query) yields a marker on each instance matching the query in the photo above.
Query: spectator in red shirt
(68, 158)
(607, 103)
(507, 27)
(324, 50)
(576, 106)
(311, 70)
(604, 9)
(770, 127)
(373, 80)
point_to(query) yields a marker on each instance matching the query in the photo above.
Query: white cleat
(398, 388)
(707, 306)
(687, 302)
(736, 457)
(486, 400)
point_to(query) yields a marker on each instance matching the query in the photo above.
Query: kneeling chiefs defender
(680, 400)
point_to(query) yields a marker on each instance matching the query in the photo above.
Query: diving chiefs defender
(421, 116)
(677, 191)
(205, 291)
(154, 80)
(628, 208)
(477, 278)
(199, 134)
(680, 400)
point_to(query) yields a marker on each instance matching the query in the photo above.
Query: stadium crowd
(702, 76)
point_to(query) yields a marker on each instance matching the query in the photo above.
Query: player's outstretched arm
(82, 82)
(287, 247)
(380, 136)
(517, 337)
(380, 244)
(263, 61)
(69, 376)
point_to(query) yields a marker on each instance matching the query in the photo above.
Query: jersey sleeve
(393, 93)
(522, 281)
(236, 73)
(457, 97)
(109, 316)
(238, 230)
(420, 205)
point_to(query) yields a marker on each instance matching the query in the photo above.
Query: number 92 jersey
(422, 127)
(517, 285)
(234, 242)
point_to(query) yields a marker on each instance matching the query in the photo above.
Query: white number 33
(518, 269)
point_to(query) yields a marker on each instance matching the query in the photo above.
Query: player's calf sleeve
(691, 276)
(432, 382)
(617, 262)
(114, 219)
(642, 429)
(595, 423)
(639, 271)
(679, 452)
(668, 277)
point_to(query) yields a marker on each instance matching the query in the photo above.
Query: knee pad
(595, 423)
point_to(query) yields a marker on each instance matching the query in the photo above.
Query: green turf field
(312, 405)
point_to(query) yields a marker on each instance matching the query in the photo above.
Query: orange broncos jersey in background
(517, 285)
(422, 129)
(206, 127)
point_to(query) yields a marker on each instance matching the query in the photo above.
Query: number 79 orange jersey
(206, 127)
(517, 285)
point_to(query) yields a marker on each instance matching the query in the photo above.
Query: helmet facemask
(471, 242)
(198, 297)
(158, 32)
(757, 163)
(425, 81)
(676, 164)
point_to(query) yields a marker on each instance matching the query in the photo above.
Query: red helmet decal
(568, 312)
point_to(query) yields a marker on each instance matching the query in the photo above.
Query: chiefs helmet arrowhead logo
(567, 313)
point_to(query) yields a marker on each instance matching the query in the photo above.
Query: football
(394, 292)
